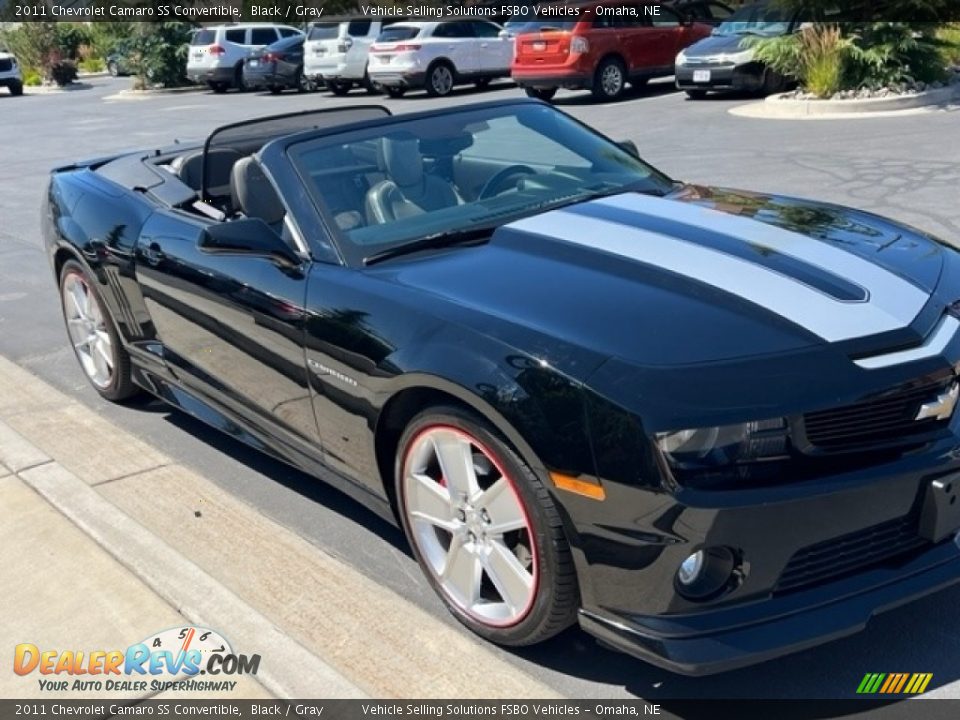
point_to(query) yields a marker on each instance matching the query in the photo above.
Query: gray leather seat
(189, 168)
(253, 194)
(407, 189)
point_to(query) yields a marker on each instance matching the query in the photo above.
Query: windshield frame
(353, 253)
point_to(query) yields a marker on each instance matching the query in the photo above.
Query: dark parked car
(724, 61)
(277, 67)
(709, 12)
(711, 426)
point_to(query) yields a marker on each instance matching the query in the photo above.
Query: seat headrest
(402, 161)
(253, 193)
(189, 169)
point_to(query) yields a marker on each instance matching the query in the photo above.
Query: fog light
(707, 573)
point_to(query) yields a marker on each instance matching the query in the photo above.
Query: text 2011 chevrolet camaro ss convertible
(712, 427)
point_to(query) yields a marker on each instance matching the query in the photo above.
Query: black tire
(16, 89)
(696, 94)
(238, 83)
(394, 91)
(219, 87)
(113, 69)
(121, 386)
(545, 94)
(609, 80)
(275, 89)
(372, 88)
(299, 82)
(773, 82)
(338, 87)
(554, 604)
(441, 78)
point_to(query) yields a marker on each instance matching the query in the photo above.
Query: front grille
(887, 419)
(851, 553)
(6, 64)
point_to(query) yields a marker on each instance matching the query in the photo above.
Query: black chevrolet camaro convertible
(711, 426)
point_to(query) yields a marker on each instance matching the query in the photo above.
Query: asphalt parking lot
(907, 167)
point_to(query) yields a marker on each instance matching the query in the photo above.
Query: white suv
(217, 53)
(336, 52)
(438, 55)
(10, 76)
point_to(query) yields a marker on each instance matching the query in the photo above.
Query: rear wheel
(440, 79)
(93, 335)
(370, 86)
(545, 94)
(609, 80)
(484, 529)
(238, 78)
(16, 88)
(338, 87)
(219, 87)
(395, 92)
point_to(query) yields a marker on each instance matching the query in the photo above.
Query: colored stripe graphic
(894, 683)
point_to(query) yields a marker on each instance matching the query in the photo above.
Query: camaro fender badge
(321, 369)
(942, 407)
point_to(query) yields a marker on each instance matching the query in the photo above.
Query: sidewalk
(126, 521)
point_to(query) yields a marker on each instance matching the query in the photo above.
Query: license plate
(701, 76)
(319, 51)
(384, 59)
(254, 63)
(539, 46)
(940, 515)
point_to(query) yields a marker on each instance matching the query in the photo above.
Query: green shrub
(32, 78)
(890, 53)
(63, 72)
(949, 37)
(818, 57)
(92, 65)
(157, 53)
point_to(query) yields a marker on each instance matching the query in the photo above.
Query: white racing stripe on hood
(892, 305)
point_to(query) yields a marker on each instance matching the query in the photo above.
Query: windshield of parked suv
(762, 19)
(389, 184)
(203, 37)
(516, 27)
(396, 33)
(324, 31)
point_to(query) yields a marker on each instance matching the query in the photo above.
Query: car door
(230, 320)
(494, 52)
(454, 40)
(667, 37)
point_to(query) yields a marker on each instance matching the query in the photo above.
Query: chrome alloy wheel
(611, 80)
(441, 79)
(470, 526)
(88, 330)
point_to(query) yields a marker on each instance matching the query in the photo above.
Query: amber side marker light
(580, 487)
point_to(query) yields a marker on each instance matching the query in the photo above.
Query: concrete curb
(131, 94)
(776, 107)
(191, 591)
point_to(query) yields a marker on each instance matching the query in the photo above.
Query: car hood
(701, 275)
(714, 45)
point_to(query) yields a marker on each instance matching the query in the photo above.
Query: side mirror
(630, 147)
(248, 236)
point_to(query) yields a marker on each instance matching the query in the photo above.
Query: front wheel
(16, 89)
(113, 68)
(93, 335)
(545, 94)
(484, 529)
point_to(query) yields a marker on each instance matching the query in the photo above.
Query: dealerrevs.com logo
(169, 660)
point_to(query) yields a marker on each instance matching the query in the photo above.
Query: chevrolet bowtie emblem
(942, 407)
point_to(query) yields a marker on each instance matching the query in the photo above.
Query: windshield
(203, 37)
(760, 19)
(396, 33)
(385, 186)
(324, 31)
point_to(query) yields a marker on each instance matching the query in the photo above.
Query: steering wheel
(512, 172)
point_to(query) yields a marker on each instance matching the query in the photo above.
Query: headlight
(741, 57)
(723, 445)
(681, 58)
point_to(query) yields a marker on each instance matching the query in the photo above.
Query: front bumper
(746, 635)
(748, 77)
